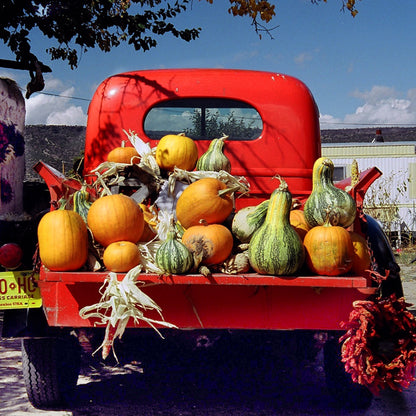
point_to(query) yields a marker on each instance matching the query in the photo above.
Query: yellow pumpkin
(176, 150)
(63, 240)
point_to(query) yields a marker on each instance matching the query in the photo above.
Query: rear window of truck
(204, 119)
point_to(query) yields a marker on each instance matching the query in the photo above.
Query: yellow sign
(18, 290)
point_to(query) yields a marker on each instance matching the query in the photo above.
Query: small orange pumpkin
(121, 256)
(206, 199)
(63, 240)
(361, 260)
(298, 222)
(329, 250)
(114, 218)
(123, 154)
(210, 243)
(176, 150)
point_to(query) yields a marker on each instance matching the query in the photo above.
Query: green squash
(214, 158)
(173, 257)
(276, 248)
(326, 197)
(81, 203)
(247, 220)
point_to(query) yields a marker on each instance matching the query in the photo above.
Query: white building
(397, 185)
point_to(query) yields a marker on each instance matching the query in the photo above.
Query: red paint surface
(288, 145)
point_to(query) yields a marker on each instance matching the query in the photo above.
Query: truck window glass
(204, 119)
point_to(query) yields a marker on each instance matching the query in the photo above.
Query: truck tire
(346, 393)
(50, 370)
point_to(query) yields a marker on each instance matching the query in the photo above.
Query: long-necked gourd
(326, 196)
(276, 248)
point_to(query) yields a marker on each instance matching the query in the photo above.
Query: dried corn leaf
(239, 183)
(122, 301)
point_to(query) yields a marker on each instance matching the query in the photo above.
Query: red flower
(379, 347)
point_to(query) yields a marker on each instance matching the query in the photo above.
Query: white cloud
(329, 122)
(382, 105)
(47, 109)
(72, 116)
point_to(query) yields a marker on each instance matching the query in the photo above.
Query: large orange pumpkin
(176, 150)
(123, 154)
(211, 243)
(329, 250)
(63, 240)
(121, 256)
(204, 200)
(114, 218)
(361, 260)
(298, 222)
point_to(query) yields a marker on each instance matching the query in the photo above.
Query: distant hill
(56, 145)
(60, 145)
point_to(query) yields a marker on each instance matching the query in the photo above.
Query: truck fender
(384, 261)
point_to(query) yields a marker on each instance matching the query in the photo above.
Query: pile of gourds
(203, 234)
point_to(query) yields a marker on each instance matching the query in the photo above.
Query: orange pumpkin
(329, 250)
(121, 256)
(114, 218)
(298, 222)
(176, 150)
(123, 154)
(205, 199)
(63, 240)
(361, 260)
(212, 243)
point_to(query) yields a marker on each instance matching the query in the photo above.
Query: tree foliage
(77, 25)
(214, 125)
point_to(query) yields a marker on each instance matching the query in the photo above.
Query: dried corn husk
(148, 256)
(239, 183)
(121, 301)
(147, 154)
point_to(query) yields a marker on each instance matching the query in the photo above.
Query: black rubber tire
(50, 370)
(346, 393)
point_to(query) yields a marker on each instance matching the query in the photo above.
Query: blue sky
(361, 71)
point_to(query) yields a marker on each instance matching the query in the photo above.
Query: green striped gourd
(276, 248)
(214, 158)
(326, 197)
(247, 220)
(81, 203)
(173, 257)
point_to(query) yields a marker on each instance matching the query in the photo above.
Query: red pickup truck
(277, 131)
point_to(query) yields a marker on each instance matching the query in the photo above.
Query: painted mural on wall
(12, 149)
